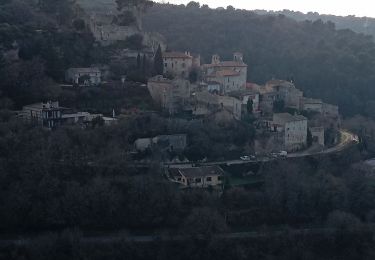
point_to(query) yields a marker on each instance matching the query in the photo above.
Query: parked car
(245, 158)
(283, 153)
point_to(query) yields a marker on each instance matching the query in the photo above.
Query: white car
(245, 158)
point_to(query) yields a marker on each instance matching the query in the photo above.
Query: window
(165, 64)
(209, 179)
(179, 179)
(220, 178)
(198, 180)
(183, 65)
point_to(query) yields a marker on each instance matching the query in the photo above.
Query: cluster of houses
(51, 115)
(223, 89)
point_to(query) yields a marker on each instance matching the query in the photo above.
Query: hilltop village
(284, 119)
(190, 113)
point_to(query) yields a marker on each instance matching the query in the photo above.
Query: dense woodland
(335, 65)
(59, 186)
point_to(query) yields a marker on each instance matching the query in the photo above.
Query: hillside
(336, 65)
(363, 25)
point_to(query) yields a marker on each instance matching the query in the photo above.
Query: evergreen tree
(249, 106)
(158, 62)
(139, 61)
(309, 138)
(144, 64)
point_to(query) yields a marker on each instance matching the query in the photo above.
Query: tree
(139, 61)
(136, 6)
(193, 4)
(249, 106)
(309, 138)
(158, 62)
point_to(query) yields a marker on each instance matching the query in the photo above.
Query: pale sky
(336, 7)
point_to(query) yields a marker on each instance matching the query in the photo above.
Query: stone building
(177, 64)
(245, 96)
(312, 105)
(232, 75)
(287, 92)
(206, 103)
(198, 177)
(171, 95)
(291, 129)
(229, 80)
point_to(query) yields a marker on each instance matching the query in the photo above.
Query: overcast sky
(337, 7)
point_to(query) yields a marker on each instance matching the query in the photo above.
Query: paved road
(347, 139)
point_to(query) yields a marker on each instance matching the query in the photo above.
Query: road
(347, 140)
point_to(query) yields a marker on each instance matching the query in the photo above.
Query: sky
(337, 7)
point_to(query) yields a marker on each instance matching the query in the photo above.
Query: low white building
(198, 177)
(292, 129)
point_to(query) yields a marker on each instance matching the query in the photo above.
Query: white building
(292, 129)
(177, 64)
(84, 76)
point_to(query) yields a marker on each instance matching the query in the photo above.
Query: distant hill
(336, 65)
(363, 25)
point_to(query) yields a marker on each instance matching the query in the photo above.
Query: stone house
(171, 95)
(177, 64)
(206, 103)
(48, 114)
(232, 75)
(245, 96)
(312, 105)
(83, 76)
(291, 129)
(286, 91)
(197, 177)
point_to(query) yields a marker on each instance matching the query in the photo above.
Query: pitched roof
(176, 55)
(226, 64)
(224, 73)
(197, 172)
